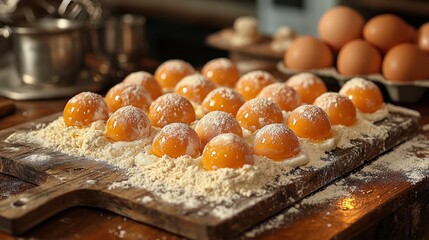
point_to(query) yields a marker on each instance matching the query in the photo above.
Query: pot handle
(5, 31)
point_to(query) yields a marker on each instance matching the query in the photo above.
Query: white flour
(37, 158)
(410, 160)
(182, 180)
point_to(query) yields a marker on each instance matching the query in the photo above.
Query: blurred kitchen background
(178, 29)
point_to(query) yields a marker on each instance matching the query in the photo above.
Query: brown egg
(307, 53)
(423, 37)
(406, 62)
(339, 25)
(358, 57)
(387, 30)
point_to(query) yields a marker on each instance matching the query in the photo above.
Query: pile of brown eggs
(384, 44)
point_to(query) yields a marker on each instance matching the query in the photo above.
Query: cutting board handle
(23, 211)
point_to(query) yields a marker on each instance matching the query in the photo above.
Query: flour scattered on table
(411, 159)
(13, 149)
(37, 158)
(337, 190)
(146, 199)
(91, 181)
(334, 191)
(182, 180)
(272, 223)
(177, 181)
(122, 233)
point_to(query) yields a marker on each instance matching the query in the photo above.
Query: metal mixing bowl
(50, 51)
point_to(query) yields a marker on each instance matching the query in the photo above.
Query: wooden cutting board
(7, 107)
(65, 181)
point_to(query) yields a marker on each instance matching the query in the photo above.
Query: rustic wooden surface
(6, 107)
(395, 210)
(63, 184)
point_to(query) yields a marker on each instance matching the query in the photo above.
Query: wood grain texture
(30, 110)
(382, 205)
(6, 107)
(63, 183)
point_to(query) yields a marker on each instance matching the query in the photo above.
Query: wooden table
(389, 208)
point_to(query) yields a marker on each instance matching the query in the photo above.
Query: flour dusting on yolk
(226, 150)
(170, 108)
(365, 95)
(175, 140)
(223, 99)
(311, 122)
(85, 108)
(258, 112)
(128, 124)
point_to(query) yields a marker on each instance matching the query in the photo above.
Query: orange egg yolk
(195, 87)
(169, 73)
(226, 151)
(222, 71)
(258, 112)
(276, 141)
(170, 108)
(309, 121)
(122, 95)
(85, 108)
(286, 97)
(308, 85)
(339, 108)
(128, 124)
(215, 123)
(147, 81)
(365, 95)
(175, 140)
(250, 84)
(223, 99)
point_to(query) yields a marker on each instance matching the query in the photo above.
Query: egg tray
(404, 92)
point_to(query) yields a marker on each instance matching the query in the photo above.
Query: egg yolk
(286, 97)
(223, 99)
(128, 124)
(364, 94)
(222, 71)
(169, 73)
(122, 95)
(250, 84)
(175, 140)
(309, 121)
(195, 87)
(215, 123)
(339, 108)
(276, 141)
(147, 81)
(258, 112)
(170, 108)
(85, 108)
(226, 150)
(308, 85)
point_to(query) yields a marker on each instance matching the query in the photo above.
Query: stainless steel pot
(120, 38)
(50, 51)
